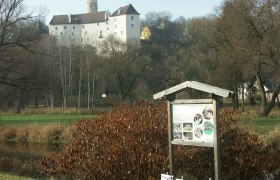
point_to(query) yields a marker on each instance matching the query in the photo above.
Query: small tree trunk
(92, 95)
(19, 105)
(88, 82)
(243, 101)
(263, 94)
(272, 103)
(278, 103)
(70, 76)
(80, 81)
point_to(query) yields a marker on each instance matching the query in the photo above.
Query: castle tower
(91, 6)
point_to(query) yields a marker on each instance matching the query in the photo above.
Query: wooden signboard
(194, 122)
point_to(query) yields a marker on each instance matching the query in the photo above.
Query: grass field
(260, 125)
(42, 118)
(266, 124)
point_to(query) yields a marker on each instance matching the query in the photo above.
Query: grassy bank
(6, 176)
(39, 127)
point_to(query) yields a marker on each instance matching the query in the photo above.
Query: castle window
(82, 40)
(107, 22)
(107, 29)
(85, 32)
(73, 40)
(97, 24)
(83, 26)
(55, 28)
(132, 25)
(72, 34)
(74, 27)
(65, 27)
(132, 17)
(61, 33)
(116, 26)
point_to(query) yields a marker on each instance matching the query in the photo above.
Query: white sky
(186, 8)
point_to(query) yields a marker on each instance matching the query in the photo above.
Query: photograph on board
(198, 119)
(177, 126)
(207, 113)
(177, 136)
(187, 126)
(187, 136)
(198, 132)
(208, 128)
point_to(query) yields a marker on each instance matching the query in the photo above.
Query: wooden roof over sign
(193, 85)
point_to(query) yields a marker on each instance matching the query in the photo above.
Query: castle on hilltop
(94, 26)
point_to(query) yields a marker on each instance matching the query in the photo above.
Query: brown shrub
(51, 132)
(68, 133)
(131, 143)
(22, 133)
(8, 133)
(34, 133)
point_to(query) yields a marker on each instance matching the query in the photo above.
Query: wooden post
(170, 145)
(216, 138)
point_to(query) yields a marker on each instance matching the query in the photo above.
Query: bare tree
(124, 66)
(250, 31)
(16, 32)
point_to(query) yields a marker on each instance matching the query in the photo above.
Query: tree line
(238, 44)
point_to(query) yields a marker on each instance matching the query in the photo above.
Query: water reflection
(22, 158)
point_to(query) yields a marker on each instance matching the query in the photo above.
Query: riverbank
(6, 176)
(23, 159)
(39, 128)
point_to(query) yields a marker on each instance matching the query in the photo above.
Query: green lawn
(261, 125)
(42, 118)
(265, 124)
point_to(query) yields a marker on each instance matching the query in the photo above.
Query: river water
(23, 158)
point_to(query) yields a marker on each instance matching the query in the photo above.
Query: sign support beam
(217, 137)
(170, 136)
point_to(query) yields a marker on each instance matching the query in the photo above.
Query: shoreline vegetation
(8, 176)
(59, 129)
(36, 125)
(27, 128)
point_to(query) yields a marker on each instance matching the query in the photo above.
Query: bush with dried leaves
(131, 143)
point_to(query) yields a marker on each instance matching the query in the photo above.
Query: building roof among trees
(129, 9)
(80, 18)
(91, 17)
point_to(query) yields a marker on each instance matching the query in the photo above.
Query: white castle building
(94, 26)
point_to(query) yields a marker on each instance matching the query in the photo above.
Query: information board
(192, 122)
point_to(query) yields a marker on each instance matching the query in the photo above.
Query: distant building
(255, 89)
(146, 33)
(94, 26)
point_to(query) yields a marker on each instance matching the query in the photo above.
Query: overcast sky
(186, 8)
